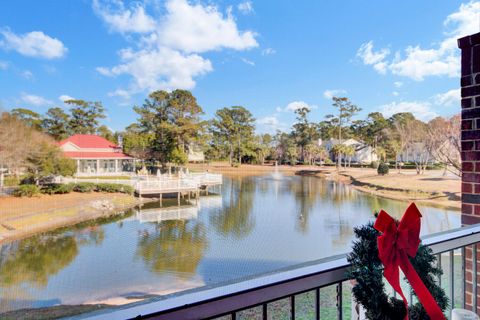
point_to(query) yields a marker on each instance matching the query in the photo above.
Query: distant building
(414, 152)
(96, 155)
(364, 154)
(195, 154)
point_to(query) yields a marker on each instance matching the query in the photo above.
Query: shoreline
(358, 179)
(24, 217)
(86, 207)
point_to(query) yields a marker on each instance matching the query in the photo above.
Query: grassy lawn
(304, 306)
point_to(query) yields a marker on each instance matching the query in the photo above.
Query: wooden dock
(183, 185)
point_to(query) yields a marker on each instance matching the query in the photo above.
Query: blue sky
(269, 56)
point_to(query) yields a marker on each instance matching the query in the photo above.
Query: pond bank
(23, 217)
(432, 188)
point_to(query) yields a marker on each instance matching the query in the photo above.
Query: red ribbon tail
(425, 297)
(393, 278)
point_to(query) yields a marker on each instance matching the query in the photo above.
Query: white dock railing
(185, 182)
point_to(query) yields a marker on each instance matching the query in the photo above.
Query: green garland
(369, 290)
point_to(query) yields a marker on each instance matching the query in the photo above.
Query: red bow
(395, 244)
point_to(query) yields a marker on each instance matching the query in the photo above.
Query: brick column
(470, 83)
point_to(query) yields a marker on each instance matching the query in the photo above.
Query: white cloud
(162, 68)
(442, 59)
(245, 7)
(65, 97)
(168, 57)
(420, 63)
(395, 93)
(198, 28)
(123, 20)
(329, 94)
(104, 71)
(33, 44)
(420, 109)
(295, 105)
(268, 51)
(449, 98)
(3, 65)
(34, 100)
(398, 84)
(120, 93)
(270, 124)
(27, 74)
(376, 59)
(249, 62)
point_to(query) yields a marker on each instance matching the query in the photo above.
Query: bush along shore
(31, 190)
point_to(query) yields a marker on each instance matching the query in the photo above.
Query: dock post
(178, 197)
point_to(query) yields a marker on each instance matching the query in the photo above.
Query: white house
(96, 155)
(195, 154)
(364, 153)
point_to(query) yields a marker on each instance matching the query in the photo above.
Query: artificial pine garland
(369, 290)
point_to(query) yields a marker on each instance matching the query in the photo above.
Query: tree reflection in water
(175, 246)
(235, 217)
(33, 261)
(306, 193)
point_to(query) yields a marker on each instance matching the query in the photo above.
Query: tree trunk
(230, 159)
(239, 154)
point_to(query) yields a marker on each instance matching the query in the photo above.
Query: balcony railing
(260, 292)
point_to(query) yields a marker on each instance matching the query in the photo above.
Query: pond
(254, 225)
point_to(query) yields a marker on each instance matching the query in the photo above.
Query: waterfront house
(364, 154)
(195, 153)
(96, 155)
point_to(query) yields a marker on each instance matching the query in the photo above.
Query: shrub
(382, 168)
(26, 190)
(114, 187)
(84, 187)
(328, 161)
(374, 164)
(57, 188)
(11, 181)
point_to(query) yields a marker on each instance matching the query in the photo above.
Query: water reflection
(257, 224)
(30, 263)
(173, 246)
(235, 218)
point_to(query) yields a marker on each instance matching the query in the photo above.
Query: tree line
(170, 124)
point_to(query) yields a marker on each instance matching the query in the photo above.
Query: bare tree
(445, 138)
(414, 138)
(17, 143)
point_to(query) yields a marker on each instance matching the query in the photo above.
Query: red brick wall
(470, 83)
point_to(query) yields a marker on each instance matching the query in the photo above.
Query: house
(364, 153)
(195, 154)
(415, 152)
(446, 151)
(96, 155)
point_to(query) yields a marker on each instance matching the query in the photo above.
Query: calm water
(257, 224)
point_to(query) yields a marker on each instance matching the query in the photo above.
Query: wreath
(369, 290)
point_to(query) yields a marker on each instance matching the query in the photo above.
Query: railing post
(339, 301)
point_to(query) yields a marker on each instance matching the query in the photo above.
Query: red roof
(88, 141)
(96, 155)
